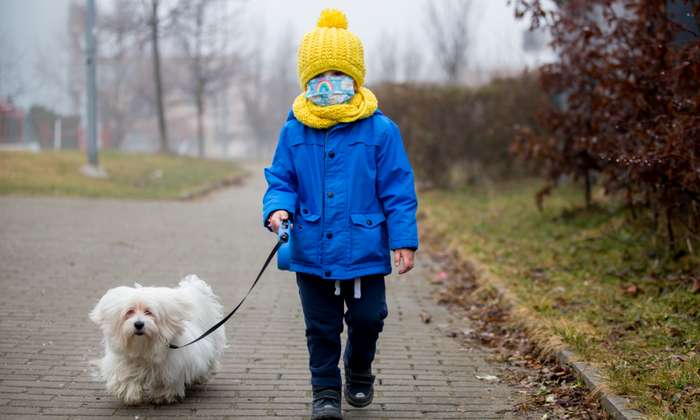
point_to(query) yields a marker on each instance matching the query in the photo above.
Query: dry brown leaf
(695, 288)
(632, 290)
(439, 278)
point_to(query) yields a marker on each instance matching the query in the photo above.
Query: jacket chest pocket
(307, 155)
(363, 145)
(369, 242)
(362, 167)
(307, 236)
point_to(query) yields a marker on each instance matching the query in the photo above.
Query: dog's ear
(180, 307)
(96, 314)
(110, 305)
(172, 311)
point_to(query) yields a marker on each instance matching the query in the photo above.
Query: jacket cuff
(403, 244)
(273, 207)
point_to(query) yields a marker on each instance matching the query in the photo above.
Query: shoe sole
(359, 403)
(327, 416)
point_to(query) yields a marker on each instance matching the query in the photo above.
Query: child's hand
(276, 219)
(407, 256)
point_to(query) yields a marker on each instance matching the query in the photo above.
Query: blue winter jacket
(350, 192)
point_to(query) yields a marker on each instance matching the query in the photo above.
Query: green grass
(569, 266)
(137, 176)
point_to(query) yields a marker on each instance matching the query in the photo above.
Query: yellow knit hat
(331, 47)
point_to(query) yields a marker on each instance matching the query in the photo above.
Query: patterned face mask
(330, 90)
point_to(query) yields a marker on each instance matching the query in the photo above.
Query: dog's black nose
(138, 325)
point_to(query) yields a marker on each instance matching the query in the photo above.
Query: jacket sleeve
(281, 193)
(396, 191)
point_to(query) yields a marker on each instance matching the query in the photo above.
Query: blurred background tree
(205, 31)
(216, 78)
(449, 28)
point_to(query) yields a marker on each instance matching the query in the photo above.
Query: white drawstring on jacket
(357, 289)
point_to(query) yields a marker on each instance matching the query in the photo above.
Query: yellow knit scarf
(362, 105)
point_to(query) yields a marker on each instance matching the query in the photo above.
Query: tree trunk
(669, 229)
(200, 122)
(199, 79)
(157, 79)
(587, 176)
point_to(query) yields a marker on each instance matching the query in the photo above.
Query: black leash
(282, 239)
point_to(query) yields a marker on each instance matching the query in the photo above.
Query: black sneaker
(326, 405)
(359, 388)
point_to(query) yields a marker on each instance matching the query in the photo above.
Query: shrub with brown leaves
(627, 100)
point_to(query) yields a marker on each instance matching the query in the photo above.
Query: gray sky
(497, 36)
(32, 28)
(36, 28)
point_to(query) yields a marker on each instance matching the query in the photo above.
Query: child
(341, 175)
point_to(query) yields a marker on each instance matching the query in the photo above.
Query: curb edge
(616, 405)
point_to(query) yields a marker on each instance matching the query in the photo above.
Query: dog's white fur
(141, 368)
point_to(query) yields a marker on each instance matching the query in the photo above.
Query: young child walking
(340, 174)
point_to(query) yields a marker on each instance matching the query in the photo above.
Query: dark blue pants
(323, 315)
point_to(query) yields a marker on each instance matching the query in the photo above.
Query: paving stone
(58, 256)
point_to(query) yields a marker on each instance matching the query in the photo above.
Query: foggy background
(227, 88)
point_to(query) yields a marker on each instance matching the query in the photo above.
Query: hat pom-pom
(332, 18)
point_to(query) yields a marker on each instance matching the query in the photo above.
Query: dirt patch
(547, 386)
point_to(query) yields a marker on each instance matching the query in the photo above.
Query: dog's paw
(167, 398)
(201, 380)
(133, 397)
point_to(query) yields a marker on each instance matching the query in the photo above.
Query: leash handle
(279, 243)
(284, 255)
(283, 231)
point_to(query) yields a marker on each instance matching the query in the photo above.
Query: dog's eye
(147, 312)
(130, 312)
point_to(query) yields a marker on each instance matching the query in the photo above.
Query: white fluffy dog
(139, 323)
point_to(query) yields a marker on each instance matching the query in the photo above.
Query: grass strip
(130, 175)
(604, 284)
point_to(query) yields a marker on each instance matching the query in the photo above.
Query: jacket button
(327, 274)
(305, 211)
(331, 154)
(329, 235)
(369, 222)
(330, 194)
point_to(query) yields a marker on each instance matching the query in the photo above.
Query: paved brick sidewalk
(58, 256)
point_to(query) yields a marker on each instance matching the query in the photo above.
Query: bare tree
(252, 92)
(155, 24)
(75, 83)
(411, 61)
(449, 32)
(387, 58)
(269, 87)
(121, 34)
(205, 31)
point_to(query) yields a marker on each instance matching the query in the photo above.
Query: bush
(457, 134)
(629, 76)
